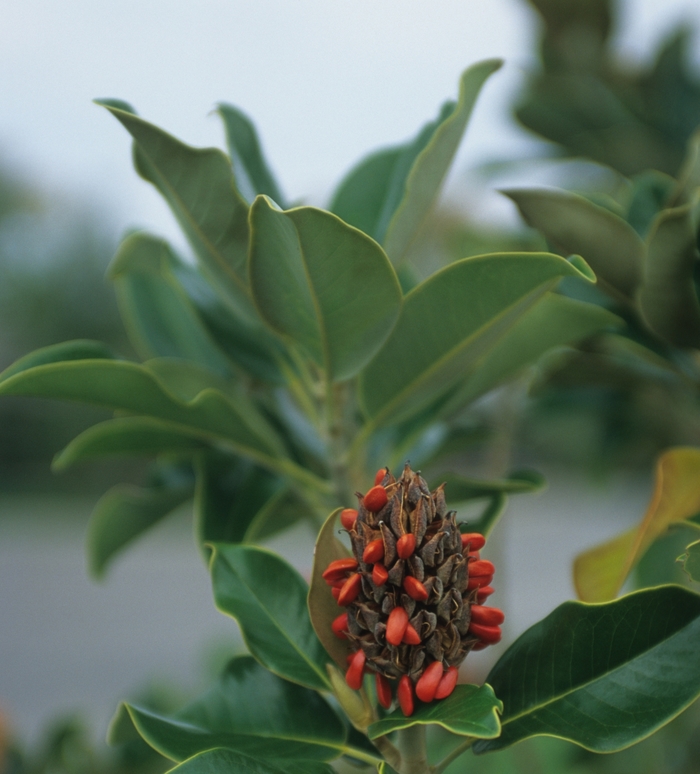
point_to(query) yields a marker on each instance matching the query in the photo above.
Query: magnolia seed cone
(424, 569)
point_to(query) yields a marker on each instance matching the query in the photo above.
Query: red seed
(375, 499)
(489, 634)
(350, 590)
(335, 591)
(474, 555)
(349, 658)
(379, 475)
(447, 684)
(479, 581)
(340, 626)
(489, 616)
(374, 552)
(348, 518)
(428, 683)
(396, 626)
(480, 645)
(474, 539)
(411, 636)
(383, 690)
(481, 567)
(405, 696)
(380, 574)
(483, 593)
(338, 568)
(415, 589)
(353, 677)
(406, 545)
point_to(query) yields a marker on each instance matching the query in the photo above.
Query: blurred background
(325, 83)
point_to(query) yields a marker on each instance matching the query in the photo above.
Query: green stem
(338, 431)
(461, 748)
(414, 752)
(390, 753)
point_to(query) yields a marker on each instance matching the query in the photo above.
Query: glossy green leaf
(238, 502)
(470, 710)
(128, 436)
(449, 323)
(157, 314)
(554, 321)
(576, 225)
(667, 297)
(249, 344)
(199, 187)
(325, 285)
(268, 599)
(227, 761)
(602, 676)
(601, 571)
(251, 711)
(323, 609)
(130, 387)
(389, 194)
(253, 175)
(459, 488)
(125, 512)
(691, 561)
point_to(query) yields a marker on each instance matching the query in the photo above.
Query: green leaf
(157, 314)
(130, 387)
(249, 344)
(251, 711)
(127, 436)
(576, 225)
(199, 187)
(489, 517)
(459, 488)
(600, 572)
(667, 297)
(554, 321)
(470, 710)
(79, 349)
(602, 676)
(238, 502)
(227, 761)
(125, 512)
(389, 194)
(449, 323)
(691, 561)
(325, 285)
(268, 599)
(323, 609)
(651, 190)
(253, 175)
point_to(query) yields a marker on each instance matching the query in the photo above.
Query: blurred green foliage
(53, 257)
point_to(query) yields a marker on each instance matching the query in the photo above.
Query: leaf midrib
(276, 625)
(216, 254)
(535, 708)
(454, 351)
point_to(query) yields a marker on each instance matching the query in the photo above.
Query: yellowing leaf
(600, 572)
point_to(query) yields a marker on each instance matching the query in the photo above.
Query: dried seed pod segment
(409, 599)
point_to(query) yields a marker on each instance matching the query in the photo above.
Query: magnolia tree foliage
(297, 353)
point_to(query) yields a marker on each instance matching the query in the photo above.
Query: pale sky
(326, 81)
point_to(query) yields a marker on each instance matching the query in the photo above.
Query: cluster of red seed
(480, 624)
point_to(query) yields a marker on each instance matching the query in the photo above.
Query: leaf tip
(113, 104)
